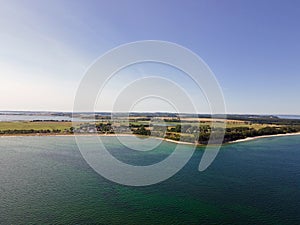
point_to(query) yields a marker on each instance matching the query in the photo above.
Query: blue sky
(252, 47)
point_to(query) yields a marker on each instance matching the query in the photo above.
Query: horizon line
(143, 112)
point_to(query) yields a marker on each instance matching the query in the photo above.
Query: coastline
(158, 138)
(101, 135)
(263, 136)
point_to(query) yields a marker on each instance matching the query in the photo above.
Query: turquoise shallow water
(44, 180)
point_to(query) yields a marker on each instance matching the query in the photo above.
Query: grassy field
(230, 124)
(254, 126)
(27, 125)
(34, 125)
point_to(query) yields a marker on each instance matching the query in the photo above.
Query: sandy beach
(101, 135)
(158, 138)
(264, 136)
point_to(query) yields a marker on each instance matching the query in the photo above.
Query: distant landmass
(183, 127)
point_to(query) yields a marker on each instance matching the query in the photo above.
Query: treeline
(233, 134)
(50, 121)
(189, 133)
(265, 119)
(142, 131)
(30, 131)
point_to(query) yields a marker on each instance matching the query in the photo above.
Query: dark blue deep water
(44, 180)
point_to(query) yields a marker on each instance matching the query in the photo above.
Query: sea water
(45, 180)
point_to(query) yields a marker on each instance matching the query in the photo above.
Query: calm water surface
(294, 117)
(44, 180)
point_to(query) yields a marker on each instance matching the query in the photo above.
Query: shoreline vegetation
(143, 136)
(183, 130)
